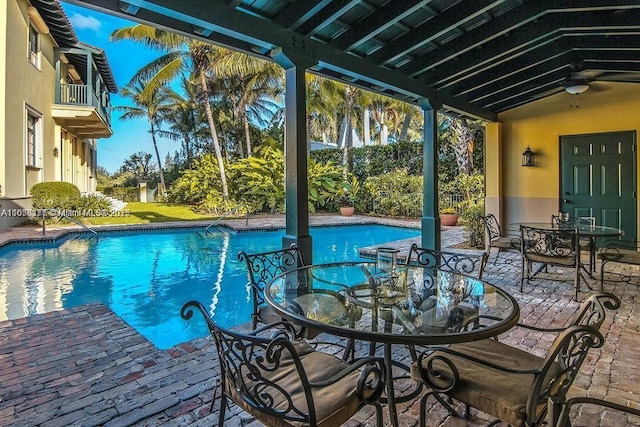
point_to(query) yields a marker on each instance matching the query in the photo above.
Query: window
(34, 45)
(33, 135)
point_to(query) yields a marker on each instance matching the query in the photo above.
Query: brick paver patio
(86, 367)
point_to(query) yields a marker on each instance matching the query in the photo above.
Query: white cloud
(85, 22)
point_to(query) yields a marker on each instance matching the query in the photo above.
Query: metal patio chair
(282, 381)
(496, 239)
(263, 268)
(586, 244)
(558, 247)
(266, 266)
(456, 262)
(617, 251)
(508, 383)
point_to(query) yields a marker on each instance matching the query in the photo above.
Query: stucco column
(295, 154)
(430, 218)
(493, 169)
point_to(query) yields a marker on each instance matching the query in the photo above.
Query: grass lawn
(144, 213)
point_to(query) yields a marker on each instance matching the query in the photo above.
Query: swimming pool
(146, 276)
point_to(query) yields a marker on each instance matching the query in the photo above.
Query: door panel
(598, 178)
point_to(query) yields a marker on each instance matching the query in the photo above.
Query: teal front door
(598, 179)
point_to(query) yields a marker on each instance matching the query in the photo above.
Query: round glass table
(408, 305)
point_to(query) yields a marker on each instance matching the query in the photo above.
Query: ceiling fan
(580, 80)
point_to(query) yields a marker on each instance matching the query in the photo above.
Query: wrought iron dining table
(409, 305)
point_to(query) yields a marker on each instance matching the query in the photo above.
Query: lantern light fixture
(527, 157)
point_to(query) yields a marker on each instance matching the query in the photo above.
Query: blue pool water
(145, 277)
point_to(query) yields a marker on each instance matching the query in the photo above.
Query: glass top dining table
(408, 305)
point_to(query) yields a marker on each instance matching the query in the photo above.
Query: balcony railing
(74, 94)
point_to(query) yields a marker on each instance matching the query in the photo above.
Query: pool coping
(33, 235)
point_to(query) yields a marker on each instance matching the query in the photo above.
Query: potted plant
(448, 216)
(346, 203)
(345, 198)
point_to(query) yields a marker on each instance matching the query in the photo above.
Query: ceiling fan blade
(547, 93)
(585, 75)
(631, 77)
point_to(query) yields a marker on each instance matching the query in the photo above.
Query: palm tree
(149, 104)
(183, 118)
(254, 87)
(181, 54)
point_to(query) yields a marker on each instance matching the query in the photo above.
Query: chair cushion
(552, 260)
(500, 394)
(334, 404)
(506, 242)
(267, 315)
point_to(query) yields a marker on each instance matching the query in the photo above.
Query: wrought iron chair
(550, 248)
(586, 244)
(510, 384)
(564, 419)
(266, 266)
(457, 262)
(263, 268)
(282, 381)
(621, 251)
(496, 239)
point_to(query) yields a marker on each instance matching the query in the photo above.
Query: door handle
(566, 201)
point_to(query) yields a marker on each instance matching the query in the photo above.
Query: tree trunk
(214, 136)
(405, 127)
(247, 134)
(160, 170)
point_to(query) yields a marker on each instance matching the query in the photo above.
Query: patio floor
(86, 367)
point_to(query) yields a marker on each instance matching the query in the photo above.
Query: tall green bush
(395, 193)
(55, 195)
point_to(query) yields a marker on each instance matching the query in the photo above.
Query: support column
(493, 170)
(430, 208)
(295, 154)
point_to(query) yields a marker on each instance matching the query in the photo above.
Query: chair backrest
(249, 365)
(541, 243)
(264, 267)
(592, 310)
(573, 221)
(492, 226)
(456, 262)
(568, 352)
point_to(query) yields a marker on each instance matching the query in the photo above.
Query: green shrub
(126, 194)
(395, 193)
(55, 195)
(93, 202)
(473, 227)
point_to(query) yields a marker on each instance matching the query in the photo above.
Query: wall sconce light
(527, 157)
(56, 152)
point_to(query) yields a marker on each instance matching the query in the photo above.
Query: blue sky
(125, 59)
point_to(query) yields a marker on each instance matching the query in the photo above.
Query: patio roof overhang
(477, 58)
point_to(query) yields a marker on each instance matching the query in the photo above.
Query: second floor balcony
(82, 108)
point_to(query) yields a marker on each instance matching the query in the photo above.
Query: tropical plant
(148, 104)
(182, 53)
(395, 193)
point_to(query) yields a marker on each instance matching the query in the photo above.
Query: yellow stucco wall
(25, 84)
(531, 193)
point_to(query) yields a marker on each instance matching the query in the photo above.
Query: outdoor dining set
(432, 303)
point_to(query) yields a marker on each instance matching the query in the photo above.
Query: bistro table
(408, 305)
(593, 232)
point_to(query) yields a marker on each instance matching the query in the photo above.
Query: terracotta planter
(346, 210)
(449, 219)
